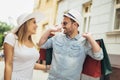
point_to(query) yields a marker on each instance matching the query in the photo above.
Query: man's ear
(75, 24)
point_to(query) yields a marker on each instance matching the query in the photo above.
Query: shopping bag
(95, 68)
(105, 62)
(92, 67)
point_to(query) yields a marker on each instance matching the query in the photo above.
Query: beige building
(49, 9)
(100, 17)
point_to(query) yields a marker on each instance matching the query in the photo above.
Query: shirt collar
(76, 37)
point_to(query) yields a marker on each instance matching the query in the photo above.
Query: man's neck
(74, 34)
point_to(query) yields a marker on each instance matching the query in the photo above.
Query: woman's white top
(24, 59)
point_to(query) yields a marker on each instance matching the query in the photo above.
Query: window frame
(117, 6)
(86, 16)
(114, 31)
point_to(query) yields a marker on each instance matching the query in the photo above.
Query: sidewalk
(1, 69)
(37, 74)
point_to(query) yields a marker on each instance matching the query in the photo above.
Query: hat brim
(71, 18)
(37, 15)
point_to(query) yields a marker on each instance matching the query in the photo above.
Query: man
(70, 48)
(49, 53)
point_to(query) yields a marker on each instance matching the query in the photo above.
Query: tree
(1, 39)
(4, 27)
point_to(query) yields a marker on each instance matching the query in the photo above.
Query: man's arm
(95, 47)
(44, 37)
(93, 50)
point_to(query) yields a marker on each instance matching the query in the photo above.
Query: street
(37, 74)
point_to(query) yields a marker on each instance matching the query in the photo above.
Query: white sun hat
(27, 16)
(75, 15)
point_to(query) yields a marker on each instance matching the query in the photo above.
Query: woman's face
(32, 26)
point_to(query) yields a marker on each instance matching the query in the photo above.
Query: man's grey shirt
(68, 56)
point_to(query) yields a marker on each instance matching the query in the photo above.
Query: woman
(20, 52)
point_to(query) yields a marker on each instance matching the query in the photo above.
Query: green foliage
(1, 39)
(4, 27)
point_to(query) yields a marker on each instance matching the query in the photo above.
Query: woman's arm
(40, 67)
(8, 52)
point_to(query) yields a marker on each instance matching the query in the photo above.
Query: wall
(49, 9)
(101, 24)
(102, 16)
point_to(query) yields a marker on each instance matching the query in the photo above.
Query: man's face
(68, 27)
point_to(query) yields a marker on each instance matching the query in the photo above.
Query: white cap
(27, 16)
(75, 15)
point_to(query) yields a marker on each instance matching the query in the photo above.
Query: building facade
(100, 17)
(49, 9)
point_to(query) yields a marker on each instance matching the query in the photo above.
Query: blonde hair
(22, 31)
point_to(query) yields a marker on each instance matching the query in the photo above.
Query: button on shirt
(68, 56)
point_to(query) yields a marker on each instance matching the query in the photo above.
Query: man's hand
(87, 35)
(95, 47)
(57, 28)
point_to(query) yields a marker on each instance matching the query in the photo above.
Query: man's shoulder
(82, 40)
(59, 35)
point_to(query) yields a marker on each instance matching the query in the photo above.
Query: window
(86, 15)
(117, 15)
(47, 0)
(116, 20)
(37, 4)
(45, 26)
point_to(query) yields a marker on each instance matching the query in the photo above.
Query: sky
(11, 9)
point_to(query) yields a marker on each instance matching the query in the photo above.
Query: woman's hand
(41, 67)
